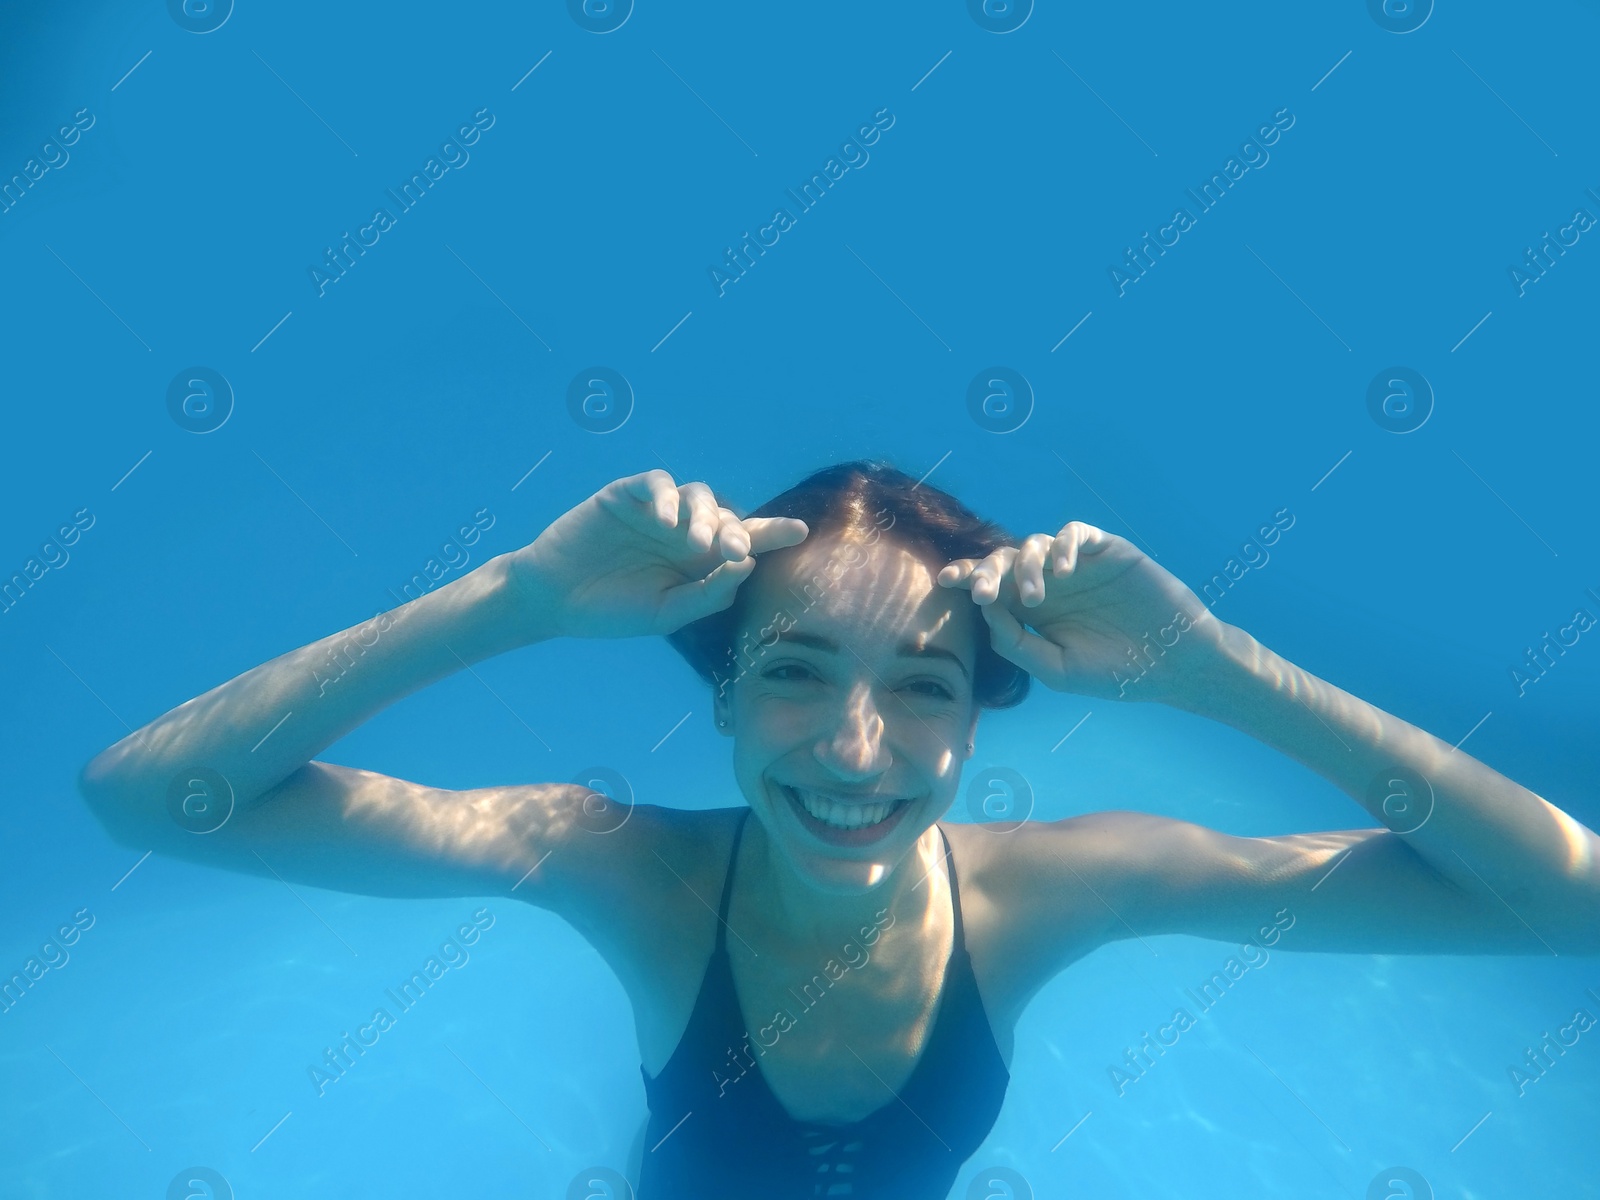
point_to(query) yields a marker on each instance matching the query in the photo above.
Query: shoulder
(644, 855)
(1038, 896)
(636, 888)
(1056, 890)
(1013, 865)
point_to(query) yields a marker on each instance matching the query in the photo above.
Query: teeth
(843, 816)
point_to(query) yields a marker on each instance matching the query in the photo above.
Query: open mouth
(844, 824)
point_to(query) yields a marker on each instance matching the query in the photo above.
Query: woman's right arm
(229, 778)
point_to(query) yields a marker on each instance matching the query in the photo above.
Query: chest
(835, 1032)
(836, 1036)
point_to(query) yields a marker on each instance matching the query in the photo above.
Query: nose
(855, 751)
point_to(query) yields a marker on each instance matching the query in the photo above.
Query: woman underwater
(852, 631)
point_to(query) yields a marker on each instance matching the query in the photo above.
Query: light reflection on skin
(849, 556)
(808, 997)
(865, 718)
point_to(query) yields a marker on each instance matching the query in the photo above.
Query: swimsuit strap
(727, 884)
(955, 892)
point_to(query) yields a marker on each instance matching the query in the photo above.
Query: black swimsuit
(717, 1132)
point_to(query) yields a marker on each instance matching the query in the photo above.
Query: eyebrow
(904, 650)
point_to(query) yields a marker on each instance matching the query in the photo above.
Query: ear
(972, 731)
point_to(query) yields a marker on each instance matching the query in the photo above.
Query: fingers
(1025, 564)
(701, 597)
(733, 537)
(1028, 569)
(981, 576)
(653, 489)
(1075, 538)
(774, 533)
(692, 509)
(985, 579)
(704, 517)
(957, 573)
(1039, 656)
(716, 527)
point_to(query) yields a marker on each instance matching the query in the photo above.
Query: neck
(804, 914)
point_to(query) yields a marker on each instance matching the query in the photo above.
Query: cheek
(935, 741)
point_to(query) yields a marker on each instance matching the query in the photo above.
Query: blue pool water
(1416, 211)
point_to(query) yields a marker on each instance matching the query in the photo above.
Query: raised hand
(643, 555)
(1110, 621)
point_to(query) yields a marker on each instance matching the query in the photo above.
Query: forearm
(1486, 833)
(259, 727)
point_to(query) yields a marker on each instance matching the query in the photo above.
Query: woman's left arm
(1485, 833)
(1468, 860)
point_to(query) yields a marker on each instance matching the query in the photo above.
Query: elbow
(104, 789)
(93, 777)
(100, 780)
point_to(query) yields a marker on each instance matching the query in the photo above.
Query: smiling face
(853, 714)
